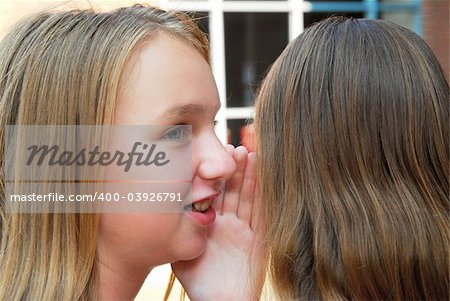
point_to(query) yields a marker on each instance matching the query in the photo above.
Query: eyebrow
(183, 110)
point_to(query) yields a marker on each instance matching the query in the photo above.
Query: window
(247, 36)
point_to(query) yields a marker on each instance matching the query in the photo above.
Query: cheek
(153, 239)
(145, 235)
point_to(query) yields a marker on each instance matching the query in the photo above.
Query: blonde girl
(136, 65)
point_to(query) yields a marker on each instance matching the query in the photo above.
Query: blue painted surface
(372, 8)
(338, 6)
(418, 17)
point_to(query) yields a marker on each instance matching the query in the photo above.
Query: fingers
(247, 193)
(257, 215)
(218, 202)
(233, 185)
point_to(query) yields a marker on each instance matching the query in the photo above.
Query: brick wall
(436, 29)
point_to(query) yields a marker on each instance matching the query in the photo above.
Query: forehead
(165, 72)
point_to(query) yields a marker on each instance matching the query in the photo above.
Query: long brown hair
(64, 68)
(353, 141)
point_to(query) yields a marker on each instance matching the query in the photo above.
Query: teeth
(202, 206)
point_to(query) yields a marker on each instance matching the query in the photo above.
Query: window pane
(202, 20)
(336, 1)
(397, 1)
(252, 43)
(241, 132)
(405, 19)
(311, 18)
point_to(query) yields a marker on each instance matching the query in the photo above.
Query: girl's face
(168, 82)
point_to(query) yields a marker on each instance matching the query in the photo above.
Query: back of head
(64, 68)
(353, 139)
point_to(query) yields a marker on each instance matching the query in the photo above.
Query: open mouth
(201, 206)
(202, 211)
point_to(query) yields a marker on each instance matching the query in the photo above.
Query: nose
(215, 163)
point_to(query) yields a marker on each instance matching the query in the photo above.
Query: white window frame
(216, 9)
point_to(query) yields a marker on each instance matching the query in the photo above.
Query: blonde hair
(64, 68)
(353, 144)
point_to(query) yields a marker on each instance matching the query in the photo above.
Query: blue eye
(179, 133)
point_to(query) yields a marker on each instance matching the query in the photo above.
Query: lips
(202, 211)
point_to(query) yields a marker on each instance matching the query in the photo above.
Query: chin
(192, 248)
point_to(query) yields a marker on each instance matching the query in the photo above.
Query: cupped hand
(229, 267)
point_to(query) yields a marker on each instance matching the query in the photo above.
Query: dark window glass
(202, 20)
(252, 43)
(241, 132)
(336, 1)
(398, 1)
(311, 18)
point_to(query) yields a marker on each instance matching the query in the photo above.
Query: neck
(119, 280)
